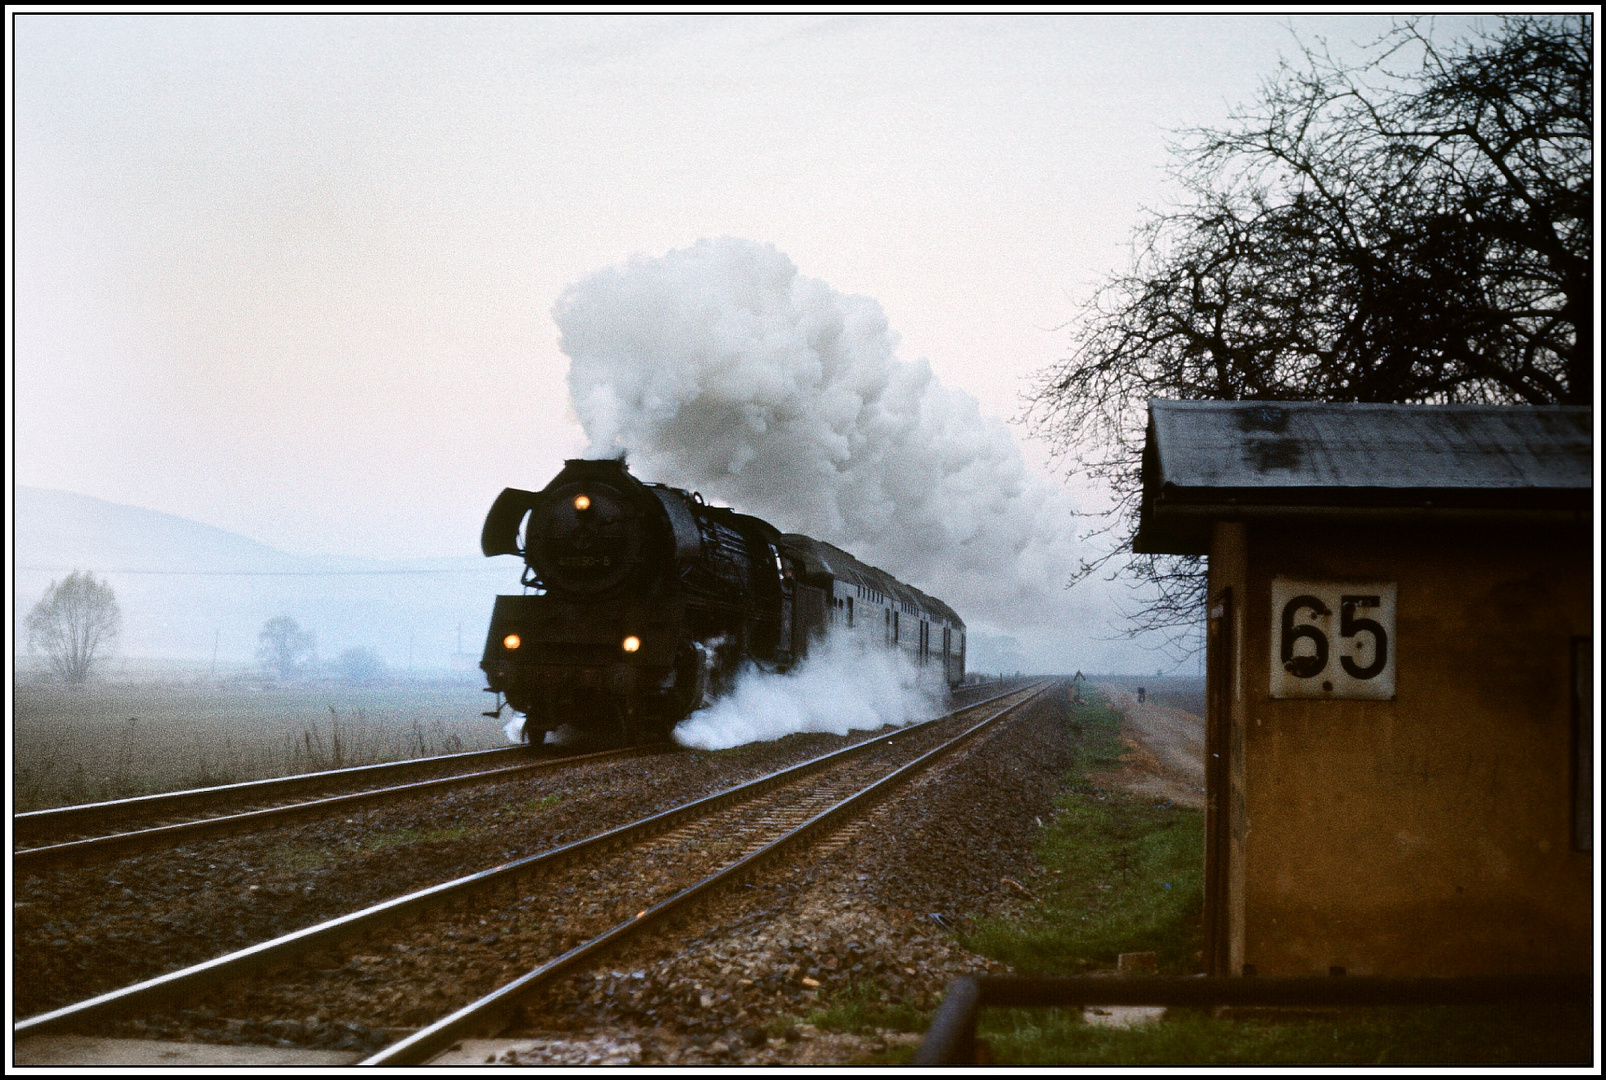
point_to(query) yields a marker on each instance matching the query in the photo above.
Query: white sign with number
(1332, 640)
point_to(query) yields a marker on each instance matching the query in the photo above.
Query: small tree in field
(74, 624)
(283, 647)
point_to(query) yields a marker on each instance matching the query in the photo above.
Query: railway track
(87, 833)
(496, 935)
(67, 835)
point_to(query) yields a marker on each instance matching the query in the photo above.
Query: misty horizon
(295, 278)
(215, 603)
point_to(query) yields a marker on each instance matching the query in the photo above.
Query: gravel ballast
(874, 913)
(78, 932)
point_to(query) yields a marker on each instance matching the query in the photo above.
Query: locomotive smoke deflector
(500, 535)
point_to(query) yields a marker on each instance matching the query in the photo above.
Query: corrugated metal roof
(1249, 444)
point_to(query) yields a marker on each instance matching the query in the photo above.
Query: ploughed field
(870, 911)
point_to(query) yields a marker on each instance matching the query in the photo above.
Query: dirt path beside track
(1165, 750)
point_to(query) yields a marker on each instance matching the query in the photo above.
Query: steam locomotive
(642, 603)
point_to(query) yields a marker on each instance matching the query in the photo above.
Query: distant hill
(70, 529)
(185, 587)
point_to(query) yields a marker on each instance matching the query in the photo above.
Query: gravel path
(1165, 750)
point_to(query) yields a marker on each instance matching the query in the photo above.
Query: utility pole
(216, 633)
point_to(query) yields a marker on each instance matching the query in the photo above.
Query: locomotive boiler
(642, 602)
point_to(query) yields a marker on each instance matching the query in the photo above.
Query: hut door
(1218, 777)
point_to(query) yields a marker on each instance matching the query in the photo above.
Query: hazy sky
(294, 275)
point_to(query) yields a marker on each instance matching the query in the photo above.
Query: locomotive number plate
(1332, 640)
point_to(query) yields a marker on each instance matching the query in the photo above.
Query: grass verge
(1532, 1035)
(1119, 874)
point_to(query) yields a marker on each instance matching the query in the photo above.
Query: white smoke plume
(720, 368)
(842, 686)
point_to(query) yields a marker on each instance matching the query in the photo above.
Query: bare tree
(74, 624)
(283, 647)
(1417, 228)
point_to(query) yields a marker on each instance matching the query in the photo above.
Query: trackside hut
(1399, 730)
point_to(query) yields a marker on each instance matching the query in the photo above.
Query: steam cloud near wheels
(842, 686)
(720, 368)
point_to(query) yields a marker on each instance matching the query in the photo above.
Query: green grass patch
(1535, 1035)
(1120, 874)
(298, 858)
(382, 840)
(535, 806)
(863, 1007)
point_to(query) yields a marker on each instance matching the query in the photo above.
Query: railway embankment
(687, 1017)
(1030, 854)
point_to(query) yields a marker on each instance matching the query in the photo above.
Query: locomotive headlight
(511, 641)
(582, 502)
(632, 643)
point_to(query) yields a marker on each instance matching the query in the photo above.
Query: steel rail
(493, 1008)
(97, 847)
(282, 951)
(36, 827)
(29, 826)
